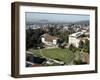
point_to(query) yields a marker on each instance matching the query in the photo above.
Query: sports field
(64, 55)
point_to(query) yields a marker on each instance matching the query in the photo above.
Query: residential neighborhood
(50, 40)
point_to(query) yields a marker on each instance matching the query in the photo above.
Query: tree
(72, 48)
(78, 62)
(51, 30)
(64, 35)
(60, 43)
(86, 46)
(33, 38)
(81, 44)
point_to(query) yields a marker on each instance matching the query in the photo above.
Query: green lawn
(64, 55)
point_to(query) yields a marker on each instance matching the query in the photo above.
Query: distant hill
(85, 22)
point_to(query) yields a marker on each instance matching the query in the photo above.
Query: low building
(49, 40)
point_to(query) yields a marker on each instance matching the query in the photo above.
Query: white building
(49, 40)
(33, 26)
(74, 38)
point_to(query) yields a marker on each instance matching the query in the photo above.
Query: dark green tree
(86, 46)
(33, 38)
(81, 44)
(72, 48)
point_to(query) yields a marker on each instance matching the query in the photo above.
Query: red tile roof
(49, 38)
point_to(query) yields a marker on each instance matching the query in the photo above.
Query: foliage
(54, 31)
(78, 62)
(33, 38)
(81, 44)
(60, 43)
(86, 46)
(72, 48)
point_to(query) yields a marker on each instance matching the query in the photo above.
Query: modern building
(75, 38)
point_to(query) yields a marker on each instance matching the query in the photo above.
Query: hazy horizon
(35, 17)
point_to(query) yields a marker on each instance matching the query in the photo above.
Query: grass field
(64, 55)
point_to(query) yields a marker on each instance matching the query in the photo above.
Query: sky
(54, 17)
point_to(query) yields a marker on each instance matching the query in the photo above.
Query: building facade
(74, 38)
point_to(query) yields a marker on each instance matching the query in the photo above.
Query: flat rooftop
(77, 34)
